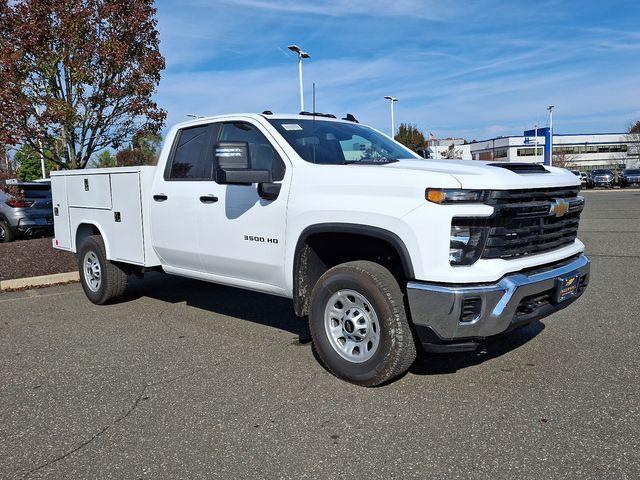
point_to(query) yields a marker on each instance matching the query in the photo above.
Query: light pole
(550, 110)
(301, 55)
(392, 100)
(42, 165)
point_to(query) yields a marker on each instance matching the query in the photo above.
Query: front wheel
(359, 325)
(101, 279)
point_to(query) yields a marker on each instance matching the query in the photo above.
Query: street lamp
(550, 147)
(392, 100)
(301, 55)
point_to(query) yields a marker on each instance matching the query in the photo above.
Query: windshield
(337, 143)
(632, 172)
(601, 172)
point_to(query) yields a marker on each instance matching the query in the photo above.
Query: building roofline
(555, 135)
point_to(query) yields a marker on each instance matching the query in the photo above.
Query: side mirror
(234, 165)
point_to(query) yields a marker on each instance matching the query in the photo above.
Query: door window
(261, 153)
(189, 160)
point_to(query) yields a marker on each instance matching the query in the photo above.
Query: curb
(41, 281)
(609, 190)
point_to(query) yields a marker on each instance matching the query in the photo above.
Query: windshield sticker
(291, 126)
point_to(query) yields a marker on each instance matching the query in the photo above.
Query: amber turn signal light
(435, 196)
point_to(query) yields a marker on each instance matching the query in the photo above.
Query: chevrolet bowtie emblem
(559, 208)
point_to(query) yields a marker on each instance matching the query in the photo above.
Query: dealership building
(576, 151)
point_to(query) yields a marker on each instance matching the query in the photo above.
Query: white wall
(584, 161)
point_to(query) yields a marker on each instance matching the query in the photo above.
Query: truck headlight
(449, 195)
(466, 243)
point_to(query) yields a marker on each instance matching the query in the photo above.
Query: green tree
(410, 136)
(29, 166)
(144, 150)
(104, 160)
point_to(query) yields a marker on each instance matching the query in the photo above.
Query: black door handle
(208, 199)
(160, 198)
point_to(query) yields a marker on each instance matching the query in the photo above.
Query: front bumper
(440, 312)
(603, 183)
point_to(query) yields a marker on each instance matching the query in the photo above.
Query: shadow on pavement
(255, 307)
(277, 312)
(444, 363)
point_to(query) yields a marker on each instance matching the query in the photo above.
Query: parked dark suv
(630, 178)
(602, 177)
(25, 210)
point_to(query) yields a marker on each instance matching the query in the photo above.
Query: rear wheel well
(84, 231)
(317, 252)
(87, 230)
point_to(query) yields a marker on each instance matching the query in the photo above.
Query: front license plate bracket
(567, 286)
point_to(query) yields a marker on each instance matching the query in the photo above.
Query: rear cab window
(192, 156)
(36, 191)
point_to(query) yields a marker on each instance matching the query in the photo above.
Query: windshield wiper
(372, 162)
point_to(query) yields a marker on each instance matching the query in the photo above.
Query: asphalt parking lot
(189, 380)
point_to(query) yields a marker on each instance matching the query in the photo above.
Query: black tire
(6, 234)
(113, 280)
(396, 349)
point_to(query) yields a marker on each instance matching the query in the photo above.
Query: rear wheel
(6, 235)
(358, 324)
(101, 279)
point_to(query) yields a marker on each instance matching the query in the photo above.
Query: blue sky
(464, 68)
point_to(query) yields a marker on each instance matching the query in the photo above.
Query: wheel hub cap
(352, 326)
(348, 326)
(92, 271)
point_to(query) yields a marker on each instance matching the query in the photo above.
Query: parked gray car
(630, 178)
(27, 213)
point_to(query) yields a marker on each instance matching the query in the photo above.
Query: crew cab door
(242, 235)
(175, 204)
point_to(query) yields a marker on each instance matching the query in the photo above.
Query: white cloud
(229, 56)
(424, 9)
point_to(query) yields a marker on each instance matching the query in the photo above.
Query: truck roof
(257, 116)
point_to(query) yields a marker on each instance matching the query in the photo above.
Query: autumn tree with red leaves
(78, 76)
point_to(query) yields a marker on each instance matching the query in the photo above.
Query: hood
(474, 174)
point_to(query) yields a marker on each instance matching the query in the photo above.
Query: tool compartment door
(61, 226)
(89, 191)
(127, 234)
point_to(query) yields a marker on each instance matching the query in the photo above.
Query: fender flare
(366, 230)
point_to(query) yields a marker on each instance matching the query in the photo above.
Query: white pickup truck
(383, 250)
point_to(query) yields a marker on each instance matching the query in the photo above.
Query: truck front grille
(531, 221)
